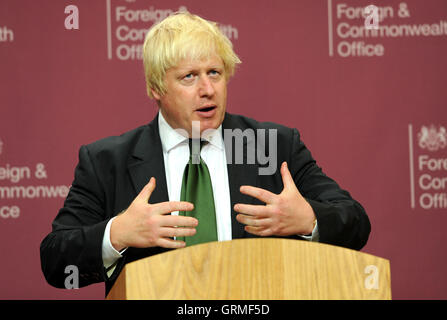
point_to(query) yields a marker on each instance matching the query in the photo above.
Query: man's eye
(188, 76)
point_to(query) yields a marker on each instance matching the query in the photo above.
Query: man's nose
(206, 87)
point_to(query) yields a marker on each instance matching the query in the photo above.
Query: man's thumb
(286, 176)
(146, 192)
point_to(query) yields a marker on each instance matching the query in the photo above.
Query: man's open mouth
(206, 109)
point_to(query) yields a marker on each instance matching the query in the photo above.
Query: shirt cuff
(109, 254)
(314, 236)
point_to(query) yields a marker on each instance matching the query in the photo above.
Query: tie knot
(195, 145)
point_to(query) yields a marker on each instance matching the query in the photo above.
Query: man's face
(196, 91)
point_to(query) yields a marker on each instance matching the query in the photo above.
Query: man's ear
(155, 94)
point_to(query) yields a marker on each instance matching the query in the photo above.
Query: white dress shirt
(176, 155)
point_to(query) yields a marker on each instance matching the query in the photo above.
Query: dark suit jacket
(112, 171)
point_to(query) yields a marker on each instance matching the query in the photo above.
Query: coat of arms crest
(432, 138)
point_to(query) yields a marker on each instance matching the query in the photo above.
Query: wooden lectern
(252, 269)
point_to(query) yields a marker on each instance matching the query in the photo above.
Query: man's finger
(259, 223)
(259, 231)
(258, 193)
(170, 243)
(259, 211)
(171, 206)
(178, 221)
(170, 232)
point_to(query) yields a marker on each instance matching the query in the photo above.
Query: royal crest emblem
(432, 139)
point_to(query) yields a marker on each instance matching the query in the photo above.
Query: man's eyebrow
(184, 70)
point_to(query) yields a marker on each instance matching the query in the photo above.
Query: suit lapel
(239, 174)
(147, 161)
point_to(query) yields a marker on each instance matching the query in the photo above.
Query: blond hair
(183, 36)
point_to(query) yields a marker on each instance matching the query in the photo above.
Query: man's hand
(287, 213)
(145, 225)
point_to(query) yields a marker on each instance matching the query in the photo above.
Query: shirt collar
(171, 138)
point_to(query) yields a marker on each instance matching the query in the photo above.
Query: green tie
(197, 189)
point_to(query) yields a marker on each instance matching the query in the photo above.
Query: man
(129, 198)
